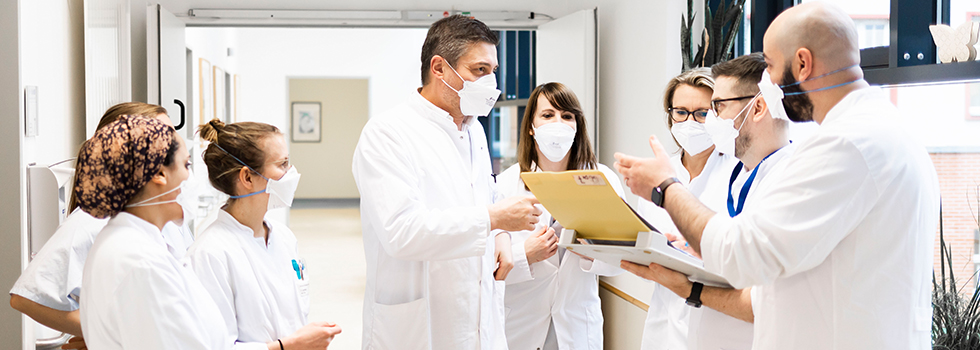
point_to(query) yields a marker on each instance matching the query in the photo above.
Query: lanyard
(732, 209)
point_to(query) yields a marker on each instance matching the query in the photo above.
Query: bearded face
(798, 107)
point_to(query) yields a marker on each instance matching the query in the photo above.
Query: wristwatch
(657, 197)
(694, 299)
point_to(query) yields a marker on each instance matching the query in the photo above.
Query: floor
(330, 242)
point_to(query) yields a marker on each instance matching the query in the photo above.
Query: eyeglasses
(714, 103)
(679, 115)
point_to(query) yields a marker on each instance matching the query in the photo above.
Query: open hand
(642, 175)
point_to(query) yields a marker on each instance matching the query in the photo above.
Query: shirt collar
(225, 219)
(144, 226)
(438, 115)
(852, 98)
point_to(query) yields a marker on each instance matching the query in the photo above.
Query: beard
(799, 108)
(742, 143)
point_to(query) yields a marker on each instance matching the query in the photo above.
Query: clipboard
(590, 210)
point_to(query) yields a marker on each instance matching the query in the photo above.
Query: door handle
(181, 104)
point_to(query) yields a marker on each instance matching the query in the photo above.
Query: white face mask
(554, 140)
(723, 131)
(477, 97)
(773, 95)
(187, 199)
(281, 191)
(692, 136)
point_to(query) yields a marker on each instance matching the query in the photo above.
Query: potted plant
(717, 38)
(955, 319)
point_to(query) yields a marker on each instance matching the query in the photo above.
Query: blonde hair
(695, 77)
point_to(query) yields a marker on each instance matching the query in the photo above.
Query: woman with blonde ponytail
(250, 265)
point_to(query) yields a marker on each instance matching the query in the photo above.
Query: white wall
(43, 47)
(52, 59)
(11, 168)
(389, 58)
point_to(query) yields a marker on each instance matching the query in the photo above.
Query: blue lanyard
(732, 209)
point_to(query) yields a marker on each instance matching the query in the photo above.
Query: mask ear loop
(457, 74)
(746, 108)
(249, 168)
(818, 77)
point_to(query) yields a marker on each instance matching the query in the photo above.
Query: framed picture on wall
(220, 95)
(206, 90)
(306, 122)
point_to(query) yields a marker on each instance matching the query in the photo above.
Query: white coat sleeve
(391, 199)
(211, 268)
(522, 271)
(824, 192)
(598, 267)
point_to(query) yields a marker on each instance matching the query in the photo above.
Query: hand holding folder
(588, 207)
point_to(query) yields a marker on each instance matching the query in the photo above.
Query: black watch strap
(657, 197)
(694, 299)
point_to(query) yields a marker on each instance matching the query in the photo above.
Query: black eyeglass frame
(714, 103)
(688, 114)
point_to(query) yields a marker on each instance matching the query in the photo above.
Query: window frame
(887, 65)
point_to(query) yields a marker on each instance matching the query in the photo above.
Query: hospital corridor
(503, 175)
(334, 252)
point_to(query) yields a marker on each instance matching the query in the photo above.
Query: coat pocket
(303, 289)
(400, 326)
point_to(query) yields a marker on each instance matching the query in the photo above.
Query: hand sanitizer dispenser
(48, 190)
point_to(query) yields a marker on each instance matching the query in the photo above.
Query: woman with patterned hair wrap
(49, 289)
(137, 294)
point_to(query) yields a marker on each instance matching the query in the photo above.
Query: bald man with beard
(839, 248)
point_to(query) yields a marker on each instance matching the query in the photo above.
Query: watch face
(657, 197)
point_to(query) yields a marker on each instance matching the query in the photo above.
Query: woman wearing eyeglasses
(251, 265)
(704, 172)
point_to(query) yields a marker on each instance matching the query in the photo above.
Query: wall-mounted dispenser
(48, 190)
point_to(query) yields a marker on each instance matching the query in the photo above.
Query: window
(871, 18)
(515, 79)
(973, 90)
(976, 256)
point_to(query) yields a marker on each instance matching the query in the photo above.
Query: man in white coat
(428, 206)
(741, 125)
(840, 246)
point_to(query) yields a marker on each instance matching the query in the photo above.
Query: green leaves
(717, 38)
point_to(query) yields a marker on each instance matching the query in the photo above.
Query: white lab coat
(54, 277)
(425, 187)
(840, 244)
(668, 315)
(564, 292)
(253, 284)
(709, 329)
(138, 296)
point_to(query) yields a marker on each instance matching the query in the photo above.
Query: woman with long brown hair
(49, 289)
(552, 297)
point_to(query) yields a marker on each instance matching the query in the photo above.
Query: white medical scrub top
(666, 325)
(260, 295)
(425, 187)
(840, 244)
(138, 296)
(54, 277)
(563, 289)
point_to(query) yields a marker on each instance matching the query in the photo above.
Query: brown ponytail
(230, 141)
